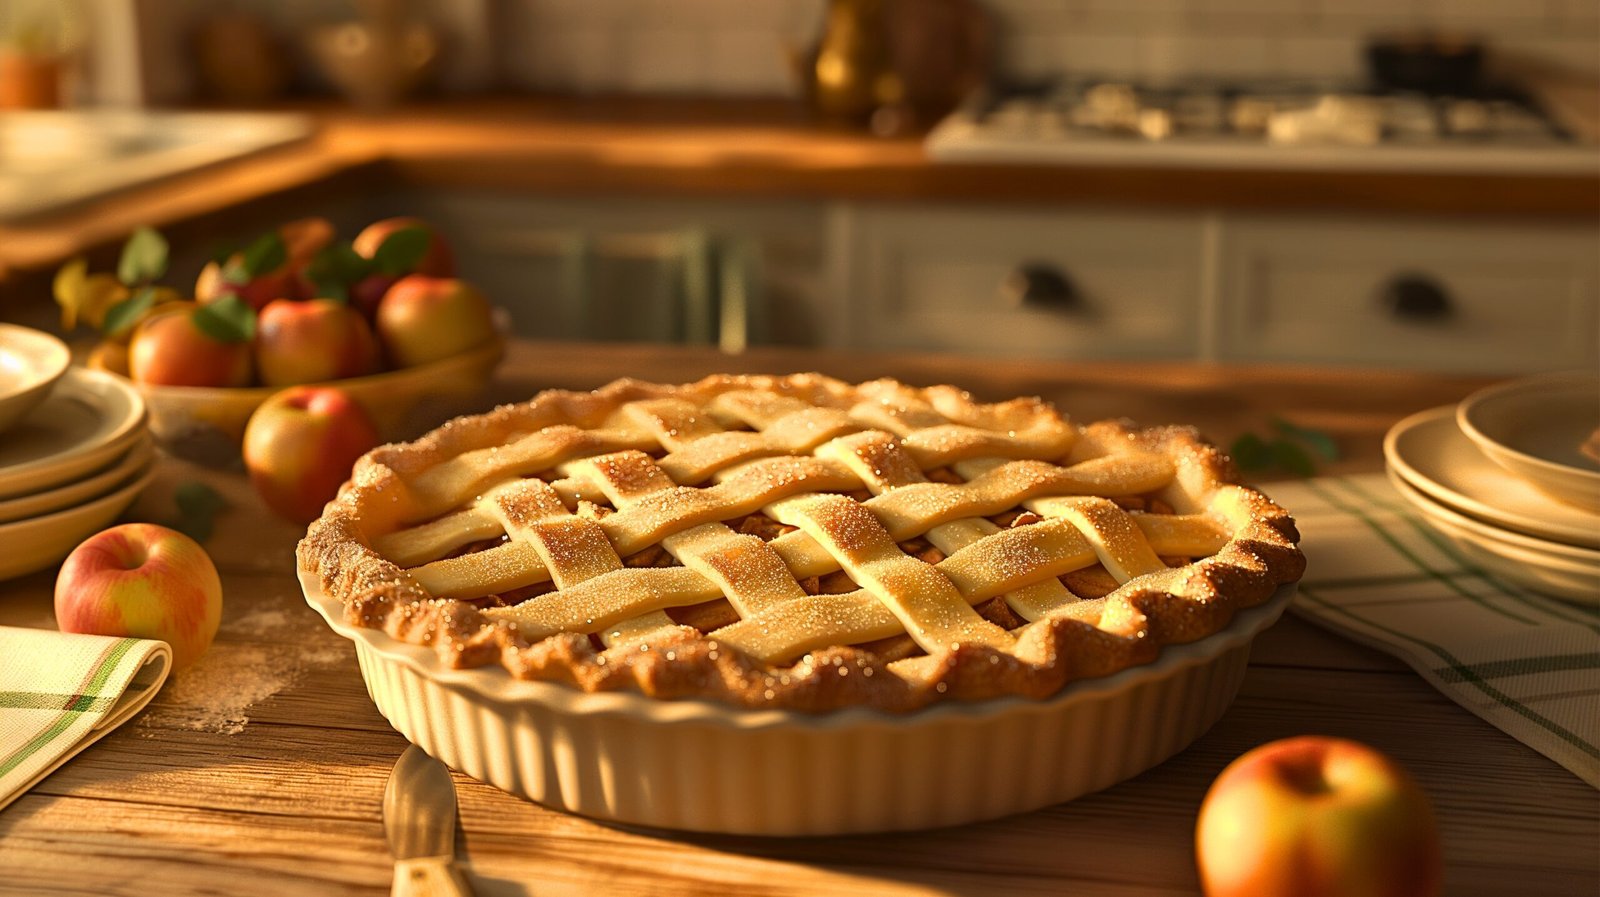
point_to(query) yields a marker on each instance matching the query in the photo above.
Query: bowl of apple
(382, 316)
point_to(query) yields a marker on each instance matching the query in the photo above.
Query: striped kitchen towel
(60, 693)
(1376, 572)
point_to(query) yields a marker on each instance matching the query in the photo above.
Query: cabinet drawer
(1101, 286)
(640, 269)
(1488, 299)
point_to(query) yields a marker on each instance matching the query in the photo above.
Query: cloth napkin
(61, 692)
(1377, 573)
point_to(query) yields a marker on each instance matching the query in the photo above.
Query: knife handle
(429, 877)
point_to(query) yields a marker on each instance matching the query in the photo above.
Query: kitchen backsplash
(1162, 38)
(737, 46)
(742, 47)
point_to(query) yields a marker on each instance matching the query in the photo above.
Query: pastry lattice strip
(700, 447)
(573, 549)
(927, 601)
(906, 513)
(743, 489)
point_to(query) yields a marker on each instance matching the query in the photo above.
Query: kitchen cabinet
(1499, 299)
(619, 269)
(1032, 281)
(1040, 283)
(617, 222)
(1387, 292)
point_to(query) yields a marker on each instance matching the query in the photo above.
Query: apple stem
(1305, 775)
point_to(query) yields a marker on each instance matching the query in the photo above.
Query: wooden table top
(730, 149)
(193, 797)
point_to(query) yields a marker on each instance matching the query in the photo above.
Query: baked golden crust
(473, 477)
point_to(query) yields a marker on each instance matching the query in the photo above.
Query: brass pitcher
(851, 75)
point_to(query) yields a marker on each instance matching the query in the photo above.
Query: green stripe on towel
(34, 700)
(100, 671)
(1465, 672)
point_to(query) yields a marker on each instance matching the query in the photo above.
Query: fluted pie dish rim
(704, 766)
(498, 685)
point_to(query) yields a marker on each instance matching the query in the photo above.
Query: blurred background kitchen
(1406, 183)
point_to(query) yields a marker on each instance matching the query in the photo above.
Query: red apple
(438, 261)
(313, 341)
(368, 292)
(302, 239)
(281, 283)
(142, 580)
(1317, 817)
(169, 349)
(299, 447)
(423, 319)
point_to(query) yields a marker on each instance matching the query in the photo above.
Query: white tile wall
(735, 47)
(739, 47)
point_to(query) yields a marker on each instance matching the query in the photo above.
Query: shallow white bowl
(87, 421)
(708, 767)
(1429, 451)
(1561, 571)
(31, 361)
(1534, 427)
(39, 542)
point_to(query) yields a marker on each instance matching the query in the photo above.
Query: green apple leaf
(1289, 457)
(335, 268)
(121, 317)
(144, 257)
(402, 251)
(268, 253)
(198, 507)
(222, 251)
(1251, 453)
(1318, 441)
(331, 289)
(227, 320)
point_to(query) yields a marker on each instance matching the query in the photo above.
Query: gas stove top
(1288, 124)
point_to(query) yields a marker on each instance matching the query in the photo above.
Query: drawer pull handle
(1417, 298)
(1040, 285)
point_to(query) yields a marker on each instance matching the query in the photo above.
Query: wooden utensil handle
(429, 877)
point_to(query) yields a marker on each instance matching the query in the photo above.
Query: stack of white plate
(1506, 477)
(74, 454)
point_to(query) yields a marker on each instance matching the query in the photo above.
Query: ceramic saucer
(71, 495)
(1557, 570)
(87, 421)
(1430, 453)
(38, 542)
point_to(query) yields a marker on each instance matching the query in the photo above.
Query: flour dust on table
(217, 694)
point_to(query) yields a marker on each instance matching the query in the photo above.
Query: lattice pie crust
(798, 542)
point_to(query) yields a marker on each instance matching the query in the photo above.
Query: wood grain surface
(289, 803)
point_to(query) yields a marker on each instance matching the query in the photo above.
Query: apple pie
(798, 542)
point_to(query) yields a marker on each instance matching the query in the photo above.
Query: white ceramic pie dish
(31, 362)
(708, 767)
(1534, 428)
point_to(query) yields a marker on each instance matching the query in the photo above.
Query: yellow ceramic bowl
(206, 424)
